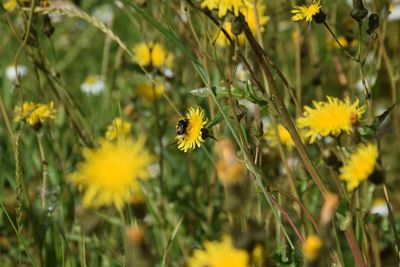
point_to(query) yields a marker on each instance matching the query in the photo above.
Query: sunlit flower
(219, 254)
(118, 128)
(13, 72)
(224, 6)
(190, 130)
(35, 114)
(150, 91)
(104, 13)
(306, 12)
(379, 207)
(284, 136)
(110, 173)
(332, 117)
(359, 166)
(93, 84)
(152, 54)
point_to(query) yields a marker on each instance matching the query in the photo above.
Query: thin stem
(337, 41)
(44, 171)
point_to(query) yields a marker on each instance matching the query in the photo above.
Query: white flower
(12, 72)
(93, 85)
(104, 13)
(379, 207)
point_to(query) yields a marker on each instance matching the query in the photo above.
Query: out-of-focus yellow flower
(152, 54)
(219, 254)
(284, 136)
(150, 91)
(11, 5)
(332, 117)
(360, 165)
(312, 247)
(306, 12)
(119, 128)
(110, 173)
(223, 6)
(35, 114)
(344, 42)
(190, 130)
(230, 171)
(248, 13)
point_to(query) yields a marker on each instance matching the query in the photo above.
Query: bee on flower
(119, 128)
(330, 118)
(152, 55)
(35, 114)
(190, 130)
(110, 174)
(93, 85)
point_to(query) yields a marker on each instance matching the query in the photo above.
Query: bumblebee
(181, 128)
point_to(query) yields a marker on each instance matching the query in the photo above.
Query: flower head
(284, 136)
(11, 5)
(224, 6)
(311, 247)
(117, 129)
(110, 173)
(35, 114)
(191, 129)
(250, 18)
(330, 118)
(152, 54)
(93, 84)
(306, 12)
(360, 165)
(150, 91)
(219, 254)
(230, 171)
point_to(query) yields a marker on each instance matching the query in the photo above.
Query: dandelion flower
(284, 136)
(117, 129)
(219, 254)
(152, 54)
(93, 84)
(224, 6)
(190, 130)
(312, 247)
(360, 165)
(35, 114)
(110, 173)
(150, 91)
(332, 117)
(306, 12)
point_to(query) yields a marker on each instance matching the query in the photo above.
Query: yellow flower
(312, 247)
(248, 13)
(330, 118)
(35, 113)
(219, 254)
(284, 136)
(190, 130)
(306, 11)
(110, 173)
(224, 6)
(151, 91)
(344, 42)
(151, 54)
(360, 165)
(11, 5)
(117, 129)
